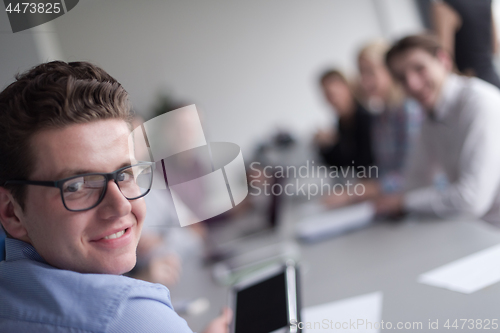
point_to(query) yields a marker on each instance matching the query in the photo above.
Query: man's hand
(336, 201)
(390, 205)
(165, 269)
(371, 190)
(221, 323)
(325, 138)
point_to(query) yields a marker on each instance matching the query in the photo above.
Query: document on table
(335, 222)
(468, 274)
(356, 314)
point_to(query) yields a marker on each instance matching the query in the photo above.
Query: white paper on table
(335, 222)
(468, 274)
(366, 308)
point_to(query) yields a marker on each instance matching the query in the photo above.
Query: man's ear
(11, 215)
(445, 58)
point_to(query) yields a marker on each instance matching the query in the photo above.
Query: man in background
(459, 137)
(467, 31)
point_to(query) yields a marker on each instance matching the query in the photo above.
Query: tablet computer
(267, 302)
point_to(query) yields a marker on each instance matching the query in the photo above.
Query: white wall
(18, 52)
(25, 49)
(496, 17)
(398, 18)
(250, 66)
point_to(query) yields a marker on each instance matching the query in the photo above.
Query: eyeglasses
(86, 191)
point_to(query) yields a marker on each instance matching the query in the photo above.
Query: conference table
(386, 256)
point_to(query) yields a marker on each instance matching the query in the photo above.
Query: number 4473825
(478, 324)
(41, 8)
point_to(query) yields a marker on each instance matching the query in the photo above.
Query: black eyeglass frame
(108, 176)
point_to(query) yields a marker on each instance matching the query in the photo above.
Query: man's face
(421, 74)
(76, 240)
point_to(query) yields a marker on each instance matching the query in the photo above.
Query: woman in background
(396, 119)
(347, 145)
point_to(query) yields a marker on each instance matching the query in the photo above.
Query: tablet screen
(262, 307)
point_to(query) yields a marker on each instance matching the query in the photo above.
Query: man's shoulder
(479, 100)
(35, 292)
(479, 90)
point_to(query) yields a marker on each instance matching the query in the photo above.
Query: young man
(459, 137)
(71, 205)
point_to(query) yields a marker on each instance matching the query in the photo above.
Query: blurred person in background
(459, 136)
(164, 244)
(467, 31)
(349, 144)
(395, 123)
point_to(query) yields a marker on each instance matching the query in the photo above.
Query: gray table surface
(385, 257)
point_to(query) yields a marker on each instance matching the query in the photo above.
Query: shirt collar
(19, 250)
(450, 93)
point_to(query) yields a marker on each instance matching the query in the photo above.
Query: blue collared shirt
(36, 297)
